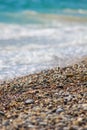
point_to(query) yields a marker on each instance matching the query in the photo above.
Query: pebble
(68, 98)
(59, 110)
(6, 123)
(73, 128)
(60, 86)
(2, 113)
(29, 101)
(31, 126)
(43, 123)
(84, 106)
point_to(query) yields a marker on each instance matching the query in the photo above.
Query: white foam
(79, 11)
(26, 48)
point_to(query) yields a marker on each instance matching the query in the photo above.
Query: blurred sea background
(40, 34)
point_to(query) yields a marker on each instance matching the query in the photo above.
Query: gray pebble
(29, 101)
(59, 110)
(6, 123)
(2, 113)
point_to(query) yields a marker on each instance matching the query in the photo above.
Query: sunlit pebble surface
(52, 99)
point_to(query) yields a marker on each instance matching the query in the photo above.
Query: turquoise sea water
(12, 10)
(41, 5)
(38, 34)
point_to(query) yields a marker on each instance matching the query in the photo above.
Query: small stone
(29, 101)
(60, 86)
(78, 121)
(6, 123)
(2, 113)
(69, 75)
(66, 128)
(59, 110)
(31, 126)
(43, 123)
(68, 98)
(84, 106)
(73, 128)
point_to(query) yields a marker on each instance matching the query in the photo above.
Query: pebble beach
(43, 65)
(54, 99)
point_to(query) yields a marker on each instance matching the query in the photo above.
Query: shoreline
(68, 64)
(50, 99)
